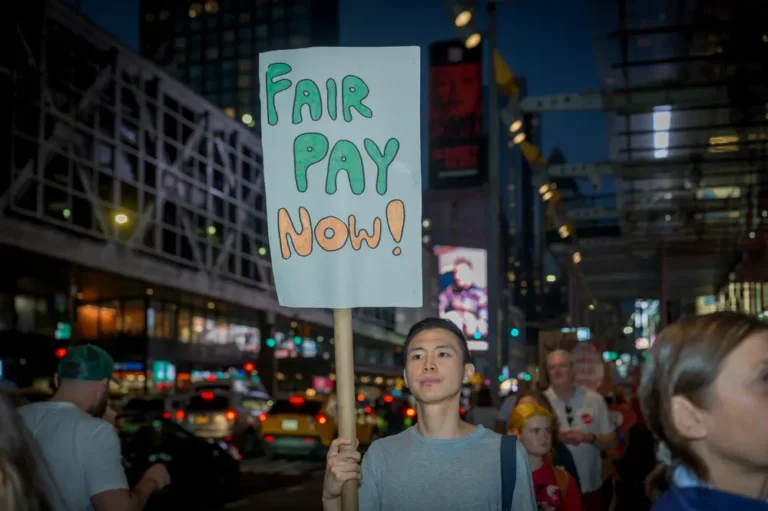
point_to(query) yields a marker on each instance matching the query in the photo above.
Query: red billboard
(456, 142)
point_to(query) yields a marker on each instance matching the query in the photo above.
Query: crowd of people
(703, 398)
(703, 401)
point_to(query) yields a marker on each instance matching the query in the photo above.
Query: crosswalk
(285, 467)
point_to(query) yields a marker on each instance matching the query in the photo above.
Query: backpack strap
(508, 470)
(562, 481)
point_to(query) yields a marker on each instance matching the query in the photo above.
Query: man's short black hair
(439, 324)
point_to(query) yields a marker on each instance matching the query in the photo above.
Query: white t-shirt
(588, 413)
(82, 452)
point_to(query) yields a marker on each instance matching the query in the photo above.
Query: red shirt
(548, 494)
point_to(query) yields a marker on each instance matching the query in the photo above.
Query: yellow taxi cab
(305, 424)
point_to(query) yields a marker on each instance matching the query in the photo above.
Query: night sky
(552, 43)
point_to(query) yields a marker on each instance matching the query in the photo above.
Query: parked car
(167, 407)
(205, 474)
(229, 415)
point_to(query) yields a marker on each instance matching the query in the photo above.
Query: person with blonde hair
(555, 489)
(704, 394)
(22, 470)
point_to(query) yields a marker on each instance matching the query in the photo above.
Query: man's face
(434, 369)
(462, 275)
(560, 369)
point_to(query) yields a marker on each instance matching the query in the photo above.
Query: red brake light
(388, 399)
(269, 438)
(206, 395)
(321, 419)
(166, 415)
(410, 412)
(231, 415)
(180, 415)
(60, 352)
(296, 400)
(263, 417)
(368, 409)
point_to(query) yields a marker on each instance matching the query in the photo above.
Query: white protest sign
(341, 140)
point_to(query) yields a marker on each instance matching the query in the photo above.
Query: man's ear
(469, 372)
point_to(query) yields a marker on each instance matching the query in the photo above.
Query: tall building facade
(133, 216)
(213, 46)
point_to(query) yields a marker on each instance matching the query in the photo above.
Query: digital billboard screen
(455, 115)
(464, 291)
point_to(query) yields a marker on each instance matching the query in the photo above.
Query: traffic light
(271, 343)
(248, 367)
(514, 332)
(60, 353)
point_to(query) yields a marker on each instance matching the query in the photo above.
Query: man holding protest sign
(342, 171)
(442, 462)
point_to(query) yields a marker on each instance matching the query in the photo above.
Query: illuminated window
(230, 112)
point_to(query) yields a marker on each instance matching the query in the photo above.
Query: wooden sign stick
(345, 393)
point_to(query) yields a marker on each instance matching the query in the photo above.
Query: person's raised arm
(105, 478)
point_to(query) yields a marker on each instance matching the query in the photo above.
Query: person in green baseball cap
(81, 449)
(86, 371)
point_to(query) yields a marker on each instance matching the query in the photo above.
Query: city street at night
(280, 491)
(244, 236)
(280, 484)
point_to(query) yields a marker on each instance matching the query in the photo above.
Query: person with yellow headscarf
(555, 489)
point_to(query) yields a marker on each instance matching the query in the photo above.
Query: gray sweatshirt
(410, 472)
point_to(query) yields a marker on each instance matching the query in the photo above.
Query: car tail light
(308, 440)
(230, 415)
(206, 395)
(263, 417)
(180, 415)
(269, 438)
(388, 399)
(166, 415)
(410, 412)
(368, 409)
(296, 400)
(321, 419)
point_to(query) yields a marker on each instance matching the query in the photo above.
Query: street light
(473, 41)
(463, 18)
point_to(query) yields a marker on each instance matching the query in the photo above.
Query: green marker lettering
(345, 157)
(353, 91)
(382, 160)
(274, 87)
(308, 149)
(331, 86)
(307, 93)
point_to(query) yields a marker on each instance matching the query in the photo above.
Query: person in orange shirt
(555, 489)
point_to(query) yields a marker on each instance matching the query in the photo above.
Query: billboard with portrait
(464, 291)
(456, 142)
